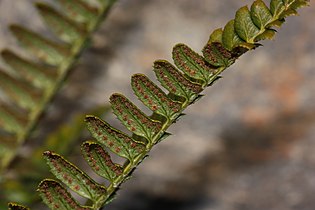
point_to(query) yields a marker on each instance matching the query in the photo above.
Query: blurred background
(248, 144)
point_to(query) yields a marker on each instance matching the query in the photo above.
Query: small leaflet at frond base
(100, 161)
(39, 76)
(56, 197)
(73, 177)
(115, 140)
(174, 81)
(65, 29)
(79, 11)
(46, 50)
(14, 206)
(133, 118)
(192, 64)
(21, 92)
(244, 25)
(153, 97)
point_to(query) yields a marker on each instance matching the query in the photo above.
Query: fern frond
(184, 87)
(31, 84)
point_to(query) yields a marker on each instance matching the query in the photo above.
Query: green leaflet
(192, 64)
(14, 206)
(299, 3)
(260, 14)
(289, 12)
(44, 49)
(229, 37)
(216, 36)
(65, 29)
(116, 141)
(20, 92)
(39, 76)
(153, 97)
(268, 34)
(289, 9)
(244, 26)
(56, 197)
(174, 81)
(79, 11)
(73, 177)
(10, 121)
(134, 119)
(276, 7)
(100, 161)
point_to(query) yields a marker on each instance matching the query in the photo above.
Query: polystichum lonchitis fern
(31, 85)
(184, 87)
